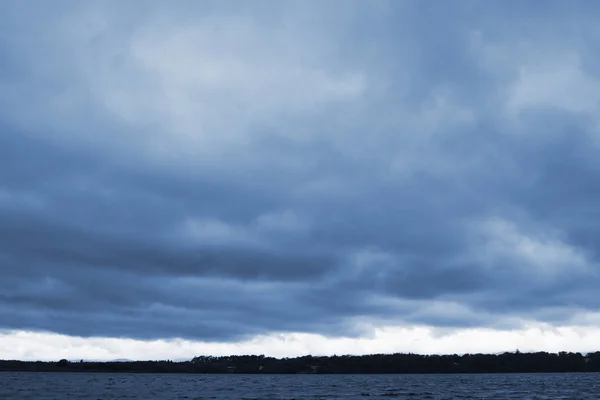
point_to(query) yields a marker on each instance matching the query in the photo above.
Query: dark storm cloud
(304, 168)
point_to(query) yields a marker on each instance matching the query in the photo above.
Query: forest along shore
(516, 362)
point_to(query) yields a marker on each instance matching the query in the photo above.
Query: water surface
(104, 386)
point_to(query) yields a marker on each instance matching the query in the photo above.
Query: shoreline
(505, 363)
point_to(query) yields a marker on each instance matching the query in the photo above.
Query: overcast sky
(291, 177)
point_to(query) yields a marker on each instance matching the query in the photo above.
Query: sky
(298, 177)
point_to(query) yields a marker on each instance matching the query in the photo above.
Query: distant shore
(516, 362)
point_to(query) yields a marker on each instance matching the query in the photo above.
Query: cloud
(416, 339)
(224, 173)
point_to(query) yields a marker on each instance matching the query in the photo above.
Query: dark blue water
(46, 386)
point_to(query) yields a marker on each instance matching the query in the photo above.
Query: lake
(99, 386)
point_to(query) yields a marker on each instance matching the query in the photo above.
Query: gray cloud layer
(215, 173)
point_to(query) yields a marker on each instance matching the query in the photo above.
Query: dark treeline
(367, 364)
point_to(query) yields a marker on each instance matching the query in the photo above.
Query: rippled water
(45, 386)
